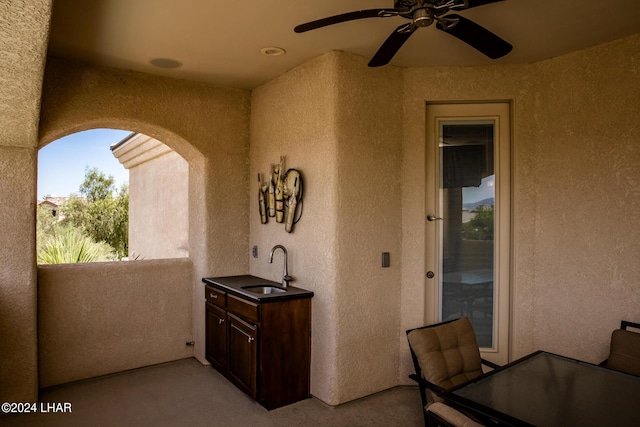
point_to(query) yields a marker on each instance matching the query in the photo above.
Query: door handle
(432, 217)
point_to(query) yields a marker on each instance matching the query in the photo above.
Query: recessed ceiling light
(165, 63)
(272, 51)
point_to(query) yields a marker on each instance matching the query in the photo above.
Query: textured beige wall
(207, 125)
(587, 176)
(24, 29)
(369, 133)
(330, 104)
(575, 174)
(18, 369)
(295, 116)
(23, 42)
(159, 208)
(339, 123)
(100, 318)
(158, 198)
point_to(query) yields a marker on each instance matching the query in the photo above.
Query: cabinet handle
(214, 296)
(220, 321)
(251, 339)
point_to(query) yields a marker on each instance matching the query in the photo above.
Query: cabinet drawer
(215, 296)
(245, 309)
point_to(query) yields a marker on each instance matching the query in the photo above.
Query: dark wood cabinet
(262, 347)
(242, 352)
(216, 345)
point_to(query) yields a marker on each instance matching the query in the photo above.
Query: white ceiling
(219, 41)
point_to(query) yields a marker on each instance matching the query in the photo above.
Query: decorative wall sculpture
(280, 195)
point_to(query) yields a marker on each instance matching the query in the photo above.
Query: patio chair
(444, 355)
(624, 353)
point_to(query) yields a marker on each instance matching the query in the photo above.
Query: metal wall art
(280, 195)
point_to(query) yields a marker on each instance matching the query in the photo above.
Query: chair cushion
(625, 352)
(448, 354)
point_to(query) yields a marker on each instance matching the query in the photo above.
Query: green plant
(103, 213)
(88, 228)
(481, 227)
(70, 245)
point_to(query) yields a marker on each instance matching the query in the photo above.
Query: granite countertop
(234, 285)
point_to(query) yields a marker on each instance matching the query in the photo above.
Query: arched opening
(100, 318)
(124, 193)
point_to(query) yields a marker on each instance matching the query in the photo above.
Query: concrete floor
(186, 393)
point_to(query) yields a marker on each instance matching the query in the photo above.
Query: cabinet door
(216, 337)
(242, 362)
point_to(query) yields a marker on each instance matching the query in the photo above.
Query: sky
(62, 163)
(486, 190)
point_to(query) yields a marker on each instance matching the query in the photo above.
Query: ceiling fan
(423, 13)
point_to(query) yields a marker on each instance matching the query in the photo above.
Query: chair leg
(433, 420)
(429, 419)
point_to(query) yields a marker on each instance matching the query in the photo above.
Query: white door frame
(500, 112)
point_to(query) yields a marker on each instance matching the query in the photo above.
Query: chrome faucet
(285, 274)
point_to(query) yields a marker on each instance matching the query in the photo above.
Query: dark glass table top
(545, 389)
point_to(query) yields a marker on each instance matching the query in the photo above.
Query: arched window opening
(107, 195)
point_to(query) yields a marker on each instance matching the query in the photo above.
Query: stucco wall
(100, 318)
(18, 371)
(369, 133)
(159, 208)
(24, 28)
(587, 176)
(158, 198)
(24, 33)
(575, 176)
(295, 116)
(339, 123)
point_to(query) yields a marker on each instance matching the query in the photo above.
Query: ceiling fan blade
(476, 3)
(344, 17)
(391, 45)
(476, 36)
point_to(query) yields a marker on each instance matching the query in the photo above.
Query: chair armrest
(424, 383)
(446, 416)
(490, 364)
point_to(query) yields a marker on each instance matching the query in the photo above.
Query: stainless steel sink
(264, 289)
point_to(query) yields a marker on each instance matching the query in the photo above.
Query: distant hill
(484, 202)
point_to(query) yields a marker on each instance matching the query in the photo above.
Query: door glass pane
(467, 200)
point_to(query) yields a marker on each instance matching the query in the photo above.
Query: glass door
(468, 231)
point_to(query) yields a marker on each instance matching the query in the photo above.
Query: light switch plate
(385, 259)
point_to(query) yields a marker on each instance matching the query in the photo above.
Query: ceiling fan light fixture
(273, 51)
(166, 63)
(422, 17)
